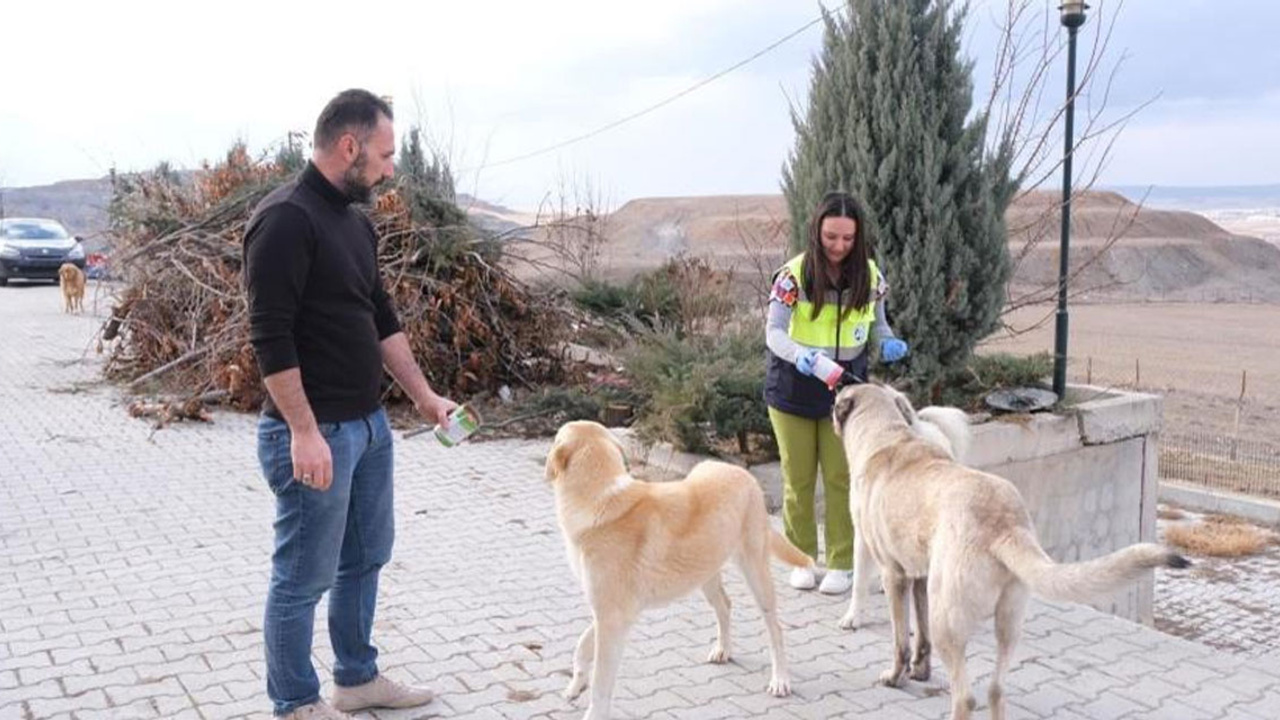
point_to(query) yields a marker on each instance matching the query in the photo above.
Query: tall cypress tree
(889, 121)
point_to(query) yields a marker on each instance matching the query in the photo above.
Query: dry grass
(1202, 385)
(1219, 536)
(1170, 513)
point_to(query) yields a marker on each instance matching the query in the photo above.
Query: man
(322, 327)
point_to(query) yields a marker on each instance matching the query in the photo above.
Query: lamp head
(1073, 12)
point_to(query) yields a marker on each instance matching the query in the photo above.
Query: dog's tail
(953, 423)
(782, 549)
(1080, 581)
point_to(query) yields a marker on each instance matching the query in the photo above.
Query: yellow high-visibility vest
(827, 330)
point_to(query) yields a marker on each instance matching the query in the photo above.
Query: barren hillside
(1128, 253)
(1139, 254)
(80, 205)
(1159, 254)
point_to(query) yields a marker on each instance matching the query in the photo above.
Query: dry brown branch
(182, 317)
(765, 247)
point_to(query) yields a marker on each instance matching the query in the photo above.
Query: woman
(826, 305)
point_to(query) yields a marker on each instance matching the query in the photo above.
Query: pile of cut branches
(179, 327)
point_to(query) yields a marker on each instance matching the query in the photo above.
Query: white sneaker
(318, 710)
(380, 693)
(802, 578)
(836, 582)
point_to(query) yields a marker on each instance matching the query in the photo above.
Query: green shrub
(699, 389)
(966, 387)
(684, 294)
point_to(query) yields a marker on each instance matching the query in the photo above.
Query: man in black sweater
(323, 327)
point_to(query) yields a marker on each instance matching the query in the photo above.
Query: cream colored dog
(71, 280)
(919, 514)
(636, 545)
(948, 429)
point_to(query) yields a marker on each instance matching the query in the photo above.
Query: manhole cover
(1024, 399)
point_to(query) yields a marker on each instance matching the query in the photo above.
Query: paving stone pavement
(133, 567)
(1230, 604)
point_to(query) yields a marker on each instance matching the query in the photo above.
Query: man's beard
(353, 181)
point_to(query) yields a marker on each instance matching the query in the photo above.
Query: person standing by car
(825, 307)
(322, 327)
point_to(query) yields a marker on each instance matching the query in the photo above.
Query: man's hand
(312, 460)
(436, 409)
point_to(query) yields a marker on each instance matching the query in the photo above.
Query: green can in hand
(463, 421)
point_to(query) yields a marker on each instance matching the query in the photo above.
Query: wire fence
(1220, 428)
(1229, 296)
(1220, 462)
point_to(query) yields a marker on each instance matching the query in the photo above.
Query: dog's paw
(849, 621)
(576, 686)
(780, 686)
(893, 677)
(718, 655)
(921, 672)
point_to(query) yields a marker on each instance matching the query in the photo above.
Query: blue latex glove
(892, 349)
(805, 361)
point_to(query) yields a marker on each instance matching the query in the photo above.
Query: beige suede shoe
(380, 693)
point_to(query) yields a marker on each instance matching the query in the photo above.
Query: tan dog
(920, 514)
(71, 279)
(636, 545)
(948, 429)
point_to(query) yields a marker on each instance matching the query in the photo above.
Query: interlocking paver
(1227, 603)
(133, 567)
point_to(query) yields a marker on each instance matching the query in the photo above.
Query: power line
(639, 114)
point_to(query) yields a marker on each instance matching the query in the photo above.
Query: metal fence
(1221, 462)
(1221, 456)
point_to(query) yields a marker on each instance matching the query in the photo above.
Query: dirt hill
(1132, 253)
(1128, 253)
(1160, 254)
(80, 205)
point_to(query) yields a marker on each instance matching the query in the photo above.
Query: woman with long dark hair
(825, 308)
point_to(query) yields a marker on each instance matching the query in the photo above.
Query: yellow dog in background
(71, 280)
(636, 545)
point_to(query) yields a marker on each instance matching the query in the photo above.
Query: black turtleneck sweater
(316, 299)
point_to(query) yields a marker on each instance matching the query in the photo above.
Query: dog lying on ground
(919, 514)
(636, 545)
(71, 279)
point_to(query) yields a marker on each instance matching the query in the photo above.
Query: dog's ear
(558, 461)
(901, 402)
(842, 409)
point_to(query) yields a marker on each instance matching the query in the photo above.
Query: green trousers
(804, 444)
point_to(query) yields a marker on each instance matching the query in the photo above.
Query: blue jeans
(334, 540)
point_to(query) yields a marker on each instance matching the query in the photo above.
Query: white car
(34, 249)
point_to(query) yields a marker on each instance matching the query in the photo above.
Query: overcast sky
(92, 85)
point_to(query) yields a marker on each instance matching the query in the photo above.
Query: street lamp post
(1072, 18)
